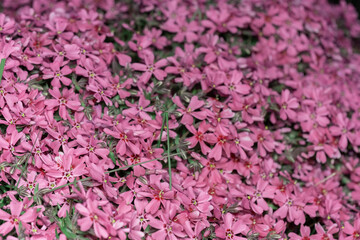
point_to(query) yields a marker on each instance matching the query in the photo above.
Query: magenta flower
(222, 143)
(322, 234)
(230, 228)
(189, 112)
(256, 196)
(156, 39)
(159, 193)
(234, 86)
(223, 21)
(140, 109)
(15, 218)
(309, 119)
(287, 105)
(7, 25)
(90, 146)
(241, 143)
(126, 137)
(167, 229)
(184, 30)
(305, 234)
(100, 94)
(71, 168)
(57, 74)
(199, 201)
(150, 68)
(94, 71)
(345, 129)
(352, 230)
(93, 216)
(62, 101)
(264, 140)
(200, 136)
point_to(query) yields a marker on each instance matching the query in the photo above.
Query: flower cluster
(153, 119)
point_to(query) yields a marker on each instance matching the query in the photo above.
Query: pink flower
(70, 168)
(266, 21)
(57, 27)
(100, 94)
(167, 229)
(150, 68)
(310, 119)
(322, 234)
(197, 201)
(305, 234)
(126, 137)
(256, 196)
(286, 105)
(94, 71)
(15, 218)
(8, 145)
(222, 143)
(120, 87)
(264, 140)
(7, 25)
(57, 74)
(37, 147)
(188, 77)
(157, 40)
(200, 136)
(223, 20)
(344, 129)
(140, 109)
(241, 143)
(90, 146)
(189, 112)
(288, 206)
(159, 193)
(183, 29)
(234, 86)
(141, 46)
(352, 230)
(230, 228)
(93, 216)
(62, 100)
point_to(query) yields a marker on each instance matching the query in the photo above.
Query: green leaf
(67, 219)
(168, 148)
(57, 234)
(161, 130)
(112, 157)
(2, 66)
(67, 232)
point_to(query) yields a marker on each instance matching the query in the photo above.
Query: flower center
(229, 234)
(62, 101)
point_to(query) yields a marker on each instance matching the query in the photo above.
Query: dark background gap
(356, 4)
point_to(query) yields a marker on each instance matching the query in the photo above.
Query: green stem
(26, 162)
(2, 66)
(168, 148)
(122, 168)
(68, 184)
(111, 171)
(162, 129)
